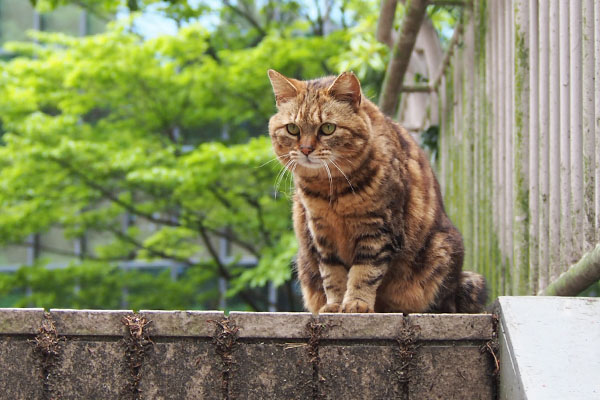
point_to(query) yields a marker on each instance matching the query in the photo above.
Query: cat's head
(319, 124)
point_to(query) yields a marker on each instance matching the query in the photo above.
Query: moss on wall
(467, 147)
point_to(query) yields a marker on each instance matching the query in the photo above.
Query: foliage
(95, 285)
(444, 19)
(170, 131)
(429, 140)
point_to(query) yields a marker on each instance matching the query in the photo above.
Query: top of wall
(250, 325)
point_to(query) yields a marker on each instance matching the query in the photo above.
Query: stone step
(549, 347)
(85, 354)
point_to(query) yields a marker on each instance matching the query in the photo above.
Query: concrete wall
(71, 354)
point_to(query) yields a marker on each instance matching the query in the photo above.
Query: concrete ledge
(365, 326)
(271, 325)
(182, 323)
(14, 321)
(89, 322)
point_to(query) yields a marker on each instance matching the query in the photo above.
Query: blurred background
(135, 166)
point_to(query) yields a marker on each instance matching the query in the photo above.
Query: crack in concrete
(48, 348)
(225, 339)
(315, 331)
(492, 348)
(137, 344)
(407, 351)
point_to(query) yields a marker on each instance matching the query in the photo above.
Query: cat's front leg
(334, 275)
(369, 268)
(363, 281)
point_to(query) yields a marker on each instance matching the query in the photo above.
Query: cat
(372, 231)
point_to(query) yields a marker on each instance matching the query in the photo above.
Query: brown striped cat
(368, 214)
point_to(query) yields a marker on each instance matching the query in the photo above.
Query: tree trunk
(392, 83)
(385, 25)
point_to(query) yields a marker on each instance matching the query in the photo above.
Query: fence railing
(520, 139)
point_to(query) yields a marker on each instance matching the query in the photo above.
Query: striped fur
(368, 214)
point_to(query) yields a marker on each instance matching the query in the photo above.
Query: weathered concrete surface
(186, 368)
(365, 326)
(271, 371)
(19, 372)
(182, 363)
(89, 322)
(271, 325)
(453, 371)
(387, 326)
(90, 369)
(270, 356)
(360, 371)
(359, 355)
(20, 320)
(182, 323)
(550, 348)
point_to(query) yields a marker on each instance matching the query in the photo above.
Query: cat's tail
(472, 293)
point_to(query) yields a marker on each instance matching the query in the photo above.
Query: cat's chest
(332, 235)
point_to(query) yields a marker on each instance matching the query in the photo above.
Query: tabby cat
(368, 214)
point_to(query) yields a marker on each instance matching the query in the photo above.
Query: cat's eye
(293, 129)
(327, 128)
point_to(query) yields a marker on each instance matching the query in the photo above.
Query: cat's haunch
(368, 213)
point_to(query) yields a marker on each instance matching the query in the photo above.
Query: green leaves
(274, 266)
(169, 133)
(94, 285)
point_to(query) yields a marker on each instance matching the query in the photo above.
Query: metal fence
(520, 138)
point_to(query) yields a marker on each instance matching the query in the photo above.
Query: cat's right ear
(283, 87)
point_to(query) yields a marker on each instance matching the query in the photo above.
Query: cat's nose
(306, 149)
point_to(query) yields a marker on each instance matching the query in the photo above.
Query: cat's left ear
(346, 88)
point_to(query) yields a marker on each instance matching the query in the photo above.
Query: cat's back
(413, 184)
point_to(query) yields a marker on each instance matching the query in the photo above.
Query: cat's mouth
(309, 162)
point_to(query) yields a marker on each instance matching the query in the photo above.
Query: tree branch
(194, 224)
(92, 10)
(247, 17)
(259, 214)
(223, 271)
(234, 239)
(151, 251)
(67, 253)
(220, 267)
(319, 27)
(220, 197)
(343, 12)
(392, 83)
(202, 229)
(110, 196)
(385, 26)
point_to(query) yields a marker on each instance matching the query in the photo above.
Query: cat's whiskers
(291, 175)
(281, 175)
(347, 160)
(330, 180)
(277, 158)
(343, 174)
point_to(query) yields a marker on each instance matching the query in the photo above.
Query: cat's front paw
(330, 308)
(356, 306)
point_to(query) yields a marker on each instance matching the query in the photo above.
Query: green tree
(171, 131)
